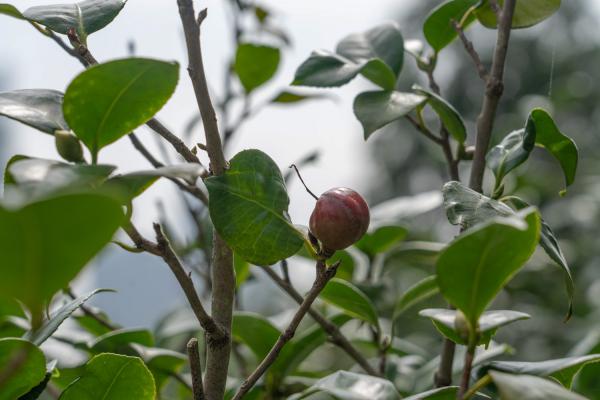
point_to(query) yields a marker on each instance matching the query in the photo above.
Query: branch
(493, 92)
(332, 330)
(195, 369)
(324, 275)
(481, 70)
(424, 130)
(466, 376)
(177, 143)
(88, 312)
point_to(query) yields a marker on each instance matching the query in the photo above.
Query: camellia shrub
(56, 215)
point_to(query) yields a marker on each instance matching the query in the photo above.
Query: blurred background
(553, 65)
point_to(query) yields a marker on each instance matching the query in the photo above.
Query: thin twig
(304, 184)
(177, 143)
(90, 313)
(81, 49)
(323, 275)
(481, 70)
(195, 369)
(424, 130)
(285, 272)
(466, 375)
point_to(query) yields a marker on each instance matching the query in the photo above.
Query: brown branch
(82, 51)
(424, 130)
(337, 337)
(493, 93)
(323, 275)
(481, 70)
(466, 376)
(195, 369)
(90, 313)
(177, 143)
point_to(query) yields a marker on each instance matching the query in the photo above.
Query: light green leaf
(450, 118)
(511, 152)
(350, 300)
(255, 64)
(162, 363)
(10, 10)
(438, 27)
(23, 364)
(38, 108)
(255, 331)
(51, 325)
(86, 16)
(287, 97)
(248, 206)
(381, 239)
(420, 291)
(477, 265)
(443, 393)
(242, 270)
(376, 109)
(46, 243)
(528, 387)
(109, 100)
(119, 341)
(527, 13)
(352, 386)
(112, 377)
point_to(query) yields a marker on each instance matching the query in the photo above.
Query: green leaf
(347, 264)
(255, 331)
(242, 270)
(46, 243)
(450, 118)
(248, 206)
(350, 300)
(38, 108)
(381, 239)
(443, 393)
(287, 97)
(477, 265)
(22, 364)
(10, 10)
(350, 385)
(119, 341)
(376, 109)
(162, 363)
(527, 387)
(511, 152)
(86, 16)
(112, 377)
(526, 14)
(109, 100)
(438, 27)
(255, 64)
(51, 325)
(488, 323)
(562, 369)
(420, 291)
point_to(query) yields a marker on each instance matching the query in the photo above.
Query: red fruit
(340, 218)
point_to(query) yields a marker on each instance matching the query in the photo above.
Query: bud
(68, 146)
(462, 326)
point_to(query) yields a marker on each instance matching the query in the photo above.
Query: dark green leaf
(326, 69)
(511, 152)
(350, 300)
(10, 10)
(376, 109)
(450, 118)
(381, 239)
(112, 376)
(287, 97)
(420, 291)
(526, 14)
(109, 100)
(476, 266)
(46, 243)
(118, 341)
(51, 325)
(350, 385)
(248, 206)
(255, 64)
(23, 365)
(438, 27)
(254, 331)
(162, 363)
(39, 108)
(86, 16)
(528, 387)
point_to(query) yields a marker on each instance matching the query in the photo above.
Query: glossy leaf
(528, 387)
(86, 16)
(27, 366)
(450, 118)
(563, 369)
(443, 393)
(420, 291)
(511, 152)
(477, 265)
(526, 14)
(118, 341)
(248, 206)
(438, 27)
(381, 239)
(376, 109)
(51, 325)
(350, 385)
(109, 100)
(37, 265)
(112, 376)
(350, 300)
(255, 331)
(488, 323)
(38, 108)
(255, 64)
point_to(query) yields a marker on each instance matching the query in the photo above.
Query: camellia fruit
(340, 218)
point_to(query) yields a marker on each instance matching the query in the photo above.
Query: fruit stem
(302, 180)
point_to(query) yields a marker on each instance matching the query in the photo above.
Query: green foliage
(10, 10)
(528, 387)
(108, 101)
(420, 291)
(22, 364)
(254, 331)
(449, 117)
(39, 108)
(120, 340)
(438, 28)
(112, 376)
(255, 64)
(350, 385)
(350, 300)
(248, 206)
(381, 239)
(527, 13)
